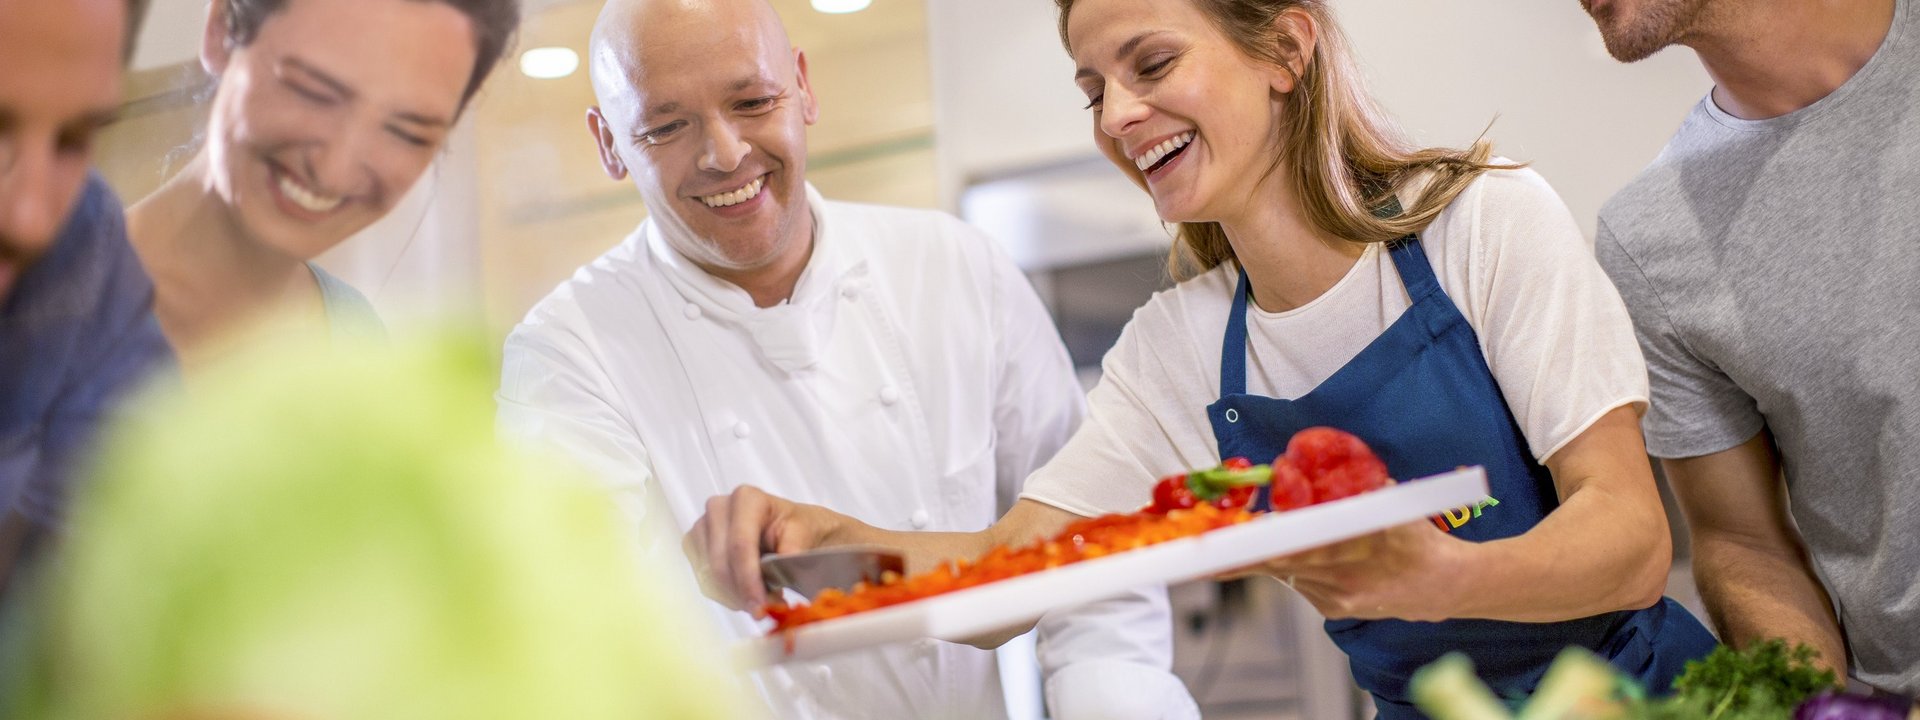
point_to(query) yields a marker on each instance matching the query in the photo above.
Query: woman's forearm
(926, 550)
(1026, 521)
(1598, 552)
(1605, 548)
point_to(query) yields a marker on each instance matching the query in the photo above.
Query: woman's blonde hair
(1343, 155)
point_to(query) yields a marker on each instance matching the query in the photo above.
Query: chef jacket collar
(789, 335)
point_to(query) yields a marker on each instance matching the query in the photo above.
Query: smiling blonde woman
(1439, 303)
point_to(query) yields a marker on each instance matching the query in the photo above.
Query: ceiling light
(549, 62)
(841, 6)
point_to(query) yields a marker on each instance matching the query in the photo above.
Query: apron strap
(1233, 349)
(1415, 272)
(1408, 258)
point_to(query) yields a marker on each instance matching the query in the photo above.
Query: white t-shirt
(1508, 253)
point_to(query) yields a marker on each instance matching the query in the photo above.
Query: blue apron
(1423, 397)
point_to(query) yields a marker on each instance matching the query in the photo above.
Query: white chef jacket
(912, 381)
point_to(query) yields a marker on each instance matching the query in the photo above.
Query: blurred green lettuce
(329, 534)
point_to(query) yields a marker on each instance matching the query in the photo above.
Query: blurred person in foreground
(1769, 258)
(337, 536)
(76, 311)
(887, 362)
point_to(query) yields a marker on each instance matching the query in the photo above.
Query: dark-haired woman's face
(334, 110)
(1176, 106)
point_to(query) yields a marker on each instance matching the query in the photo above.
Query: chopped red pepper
(1290, 488)
(1337, 463)
(1173, 493)
(1320, 464)
(1236, 497)
(1082, 540)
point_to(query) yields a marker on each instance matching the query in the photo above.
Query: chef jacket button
(889, 395)
(693, 311)
(920, 519)
(742, 430)
(823, 674)
(1233, 416)
(849, 291)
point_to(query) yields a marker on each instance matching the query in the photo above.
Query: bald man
(888, 363)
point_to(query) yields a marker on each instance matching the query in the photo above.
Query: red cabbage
(1836, 706)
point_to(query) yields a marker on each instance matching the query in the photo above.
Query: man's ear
(603, 136)
(809, 105)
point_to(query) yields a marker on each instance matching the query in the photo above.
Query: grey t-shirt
(1772, 268)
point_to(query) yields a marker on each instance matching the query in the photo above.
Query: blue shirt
(76, 334)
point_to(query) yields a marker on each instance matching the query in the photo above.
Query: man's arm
(127, 359)
(119, 348)
(1753, 571)
(1747, 557)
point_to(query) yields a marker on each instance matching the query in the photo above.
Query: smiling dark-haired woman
(324, 114)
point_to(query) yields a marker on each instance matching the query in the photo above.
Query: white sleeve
(1554, 330)
(1037, 398)
(1113, 660)
(553, 395)
(1106, 660)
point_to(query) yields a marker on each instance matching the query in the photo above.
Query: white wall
(1004, 96)
(1003, 92)
(171, 33)
(173, 28)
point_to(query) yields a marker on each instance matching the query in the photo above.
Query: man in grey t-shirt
(1771, 259)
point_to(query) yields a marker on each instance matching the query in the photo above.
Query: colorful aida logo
(1453, 519)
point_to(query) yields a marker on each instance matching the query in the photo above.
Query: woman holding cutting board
(1438, 303)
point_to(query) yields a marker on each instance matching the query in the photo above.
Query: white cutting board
(994, 606)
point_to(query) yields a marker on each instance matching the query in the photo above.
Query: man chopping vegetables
(889, 363)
